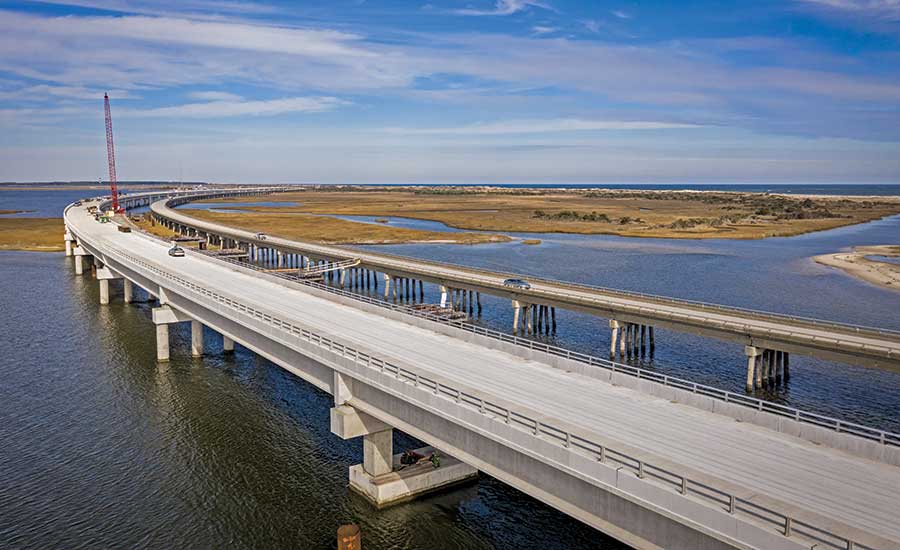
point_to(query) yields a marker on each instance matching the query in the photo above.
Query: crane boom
(111, 156)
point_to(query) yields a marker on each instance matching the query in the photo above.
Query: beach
(857, 263)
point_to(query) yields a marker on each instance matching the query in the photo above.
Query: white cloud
(880, 9)
(167, 30)
(540, 29)
(42, 92)
(222, 109)
(505, 7)
(216, 96)
(535, 126)
(620, 14)
(152, 7)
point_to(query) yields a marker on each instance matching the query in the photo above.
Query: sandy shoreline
(855, 264)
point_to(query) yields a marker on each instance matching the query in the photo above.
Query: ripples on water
(102, 447)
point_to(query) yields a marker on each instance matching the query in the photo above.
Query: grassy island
(630, 213)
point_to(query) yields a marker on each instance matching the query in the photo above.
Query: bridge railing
(721, 499)
(756, 313)
(706, 306)
(841, 426)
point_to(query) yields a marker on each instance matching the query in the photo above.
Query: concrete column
(444, 300)
(787, 369)
(752, 353)
(778, 366)
(104, 291)
(626, 340)
(68, 246)
(614, 326)
(758, 366)
(378, 452)
(79, 265)
(227, 344)
(128, 291)
(196, 338)
(162, 342)
(343, 277)
(643, 339)
(652, 341)
(387, 285)
(516, 308)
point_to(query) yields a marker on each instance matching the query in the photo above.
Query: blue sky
(453, 91)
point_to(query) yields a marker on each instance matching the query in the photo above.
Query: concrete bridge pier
(614, 334)
(387, 285)
(752, 354)
(81, 256)
(516, 307)
(196, 339)
(227, 344)
(104, 276)
(163, 316)
(381, 478)
(127, 291)
(69, 240)
(444, 299)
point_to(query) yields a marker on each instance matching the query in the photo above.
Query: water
(102, 447)
(49, 204)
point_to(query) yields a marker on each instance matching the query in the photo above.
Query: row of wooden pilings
(766, 367)
(460, 299)
(534, 318)
(635, 339)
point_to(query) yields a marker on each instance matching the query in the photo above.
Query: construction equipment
(111, 158)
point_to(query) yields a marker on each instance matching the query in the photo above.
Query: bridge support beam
(196, 339)
(614, 327)
(80, 256)
(752, 353)
(69, 240)
(227, 344)
(104, 276)
(128, 291)
(163, 316)
(162, 343)
(381, 478)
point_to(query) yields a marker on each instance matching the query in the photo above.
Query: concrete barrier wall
(819, 435)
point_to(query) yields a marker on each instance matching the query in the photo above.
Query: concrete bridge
(768, 338)
(654, 464)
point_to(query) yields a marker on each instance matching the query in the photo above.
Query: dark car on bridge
(517, 283)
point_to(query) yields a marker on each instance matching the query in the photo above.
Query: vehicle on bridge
(517, 283)
(176, 251)
(261, 236)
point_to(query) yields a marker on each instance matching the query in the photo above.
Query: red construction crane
(111, 157)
